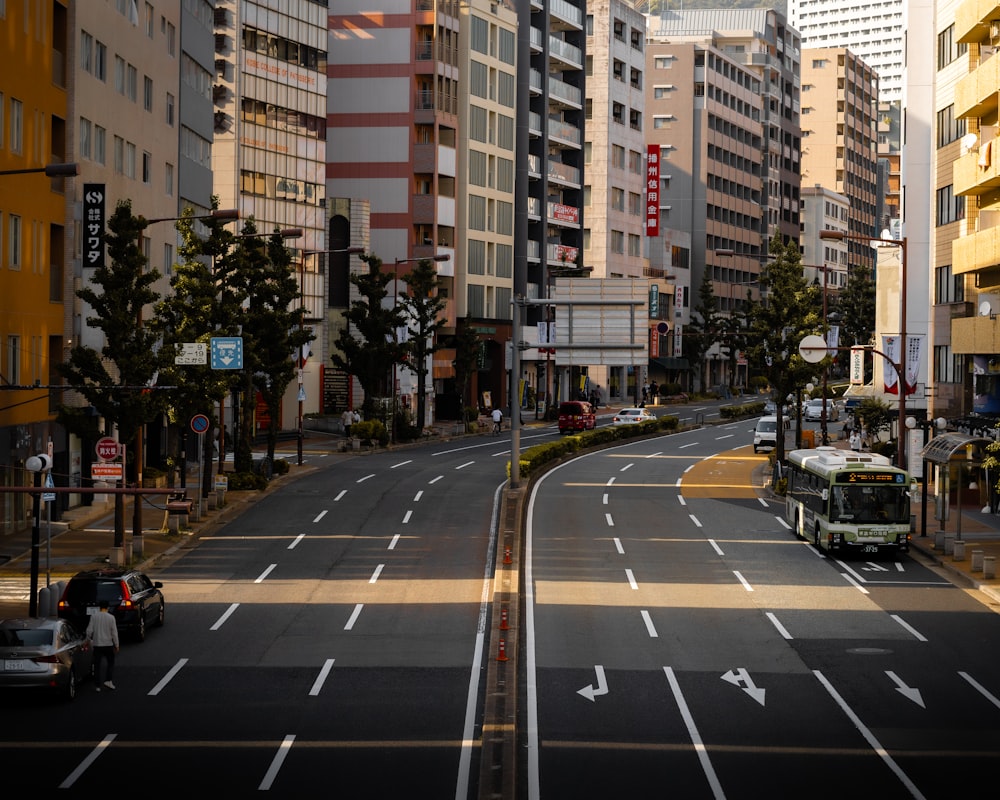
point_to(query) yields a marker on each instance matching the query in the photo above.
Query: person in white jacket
(102, 633)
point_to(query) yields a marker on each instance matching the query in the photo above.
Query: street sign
(199, 423)
(227, 352)
(107, 471)
(192, 353)
(221, 482)
(48, 497)
(106, 448)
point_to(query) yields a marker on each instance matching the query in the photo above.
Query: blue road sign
(227, 352)
(199, 423)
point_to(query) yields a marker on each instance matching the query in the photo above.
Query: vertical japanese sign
(652, 190)
(93, 225)
(857, 366)
(678, 312)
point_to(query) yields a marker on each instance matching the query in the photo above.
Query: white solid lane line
(90, 759)
(696, 740)
(781, 628)
(279, 759)
(916, 634)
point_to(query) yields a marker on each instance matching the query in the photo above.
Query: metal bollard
(958, 551)
(977, 560)
(989, 566)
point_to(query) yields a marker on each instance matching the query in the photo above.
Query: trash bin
(808, 439)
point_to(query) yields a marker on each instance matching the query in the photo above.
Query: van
(576, 415)
(765, 434)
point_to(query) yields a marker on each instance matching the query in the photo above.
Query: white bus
(846, 501)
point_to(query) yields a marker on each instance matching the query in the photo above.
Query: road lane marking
(716, 547)
(321, 678)
(654, 455)
(432, 481)
(689, 444)
(226, 615)
(681, 500)
(869, 736)
(611, 522)
(279, 759)
(354, 616)
(627, 467)
(781, 628)
(366, 477)
(763, 502)
(466, 464)
(980, 688)
(321, 515)
(376, 573)
(618, 546)
(851, 580)
(296, 540)
(744, 581)
(699, 745)
(631, 579)
(694, 519)
(611, 480)
(418, 495)
(167, 678)
(392, 544)
(605, 498)
(402, 463)
(340, 494)
(783, 523)
(265, 573)
(90, 759)
(406, 517)
(649, 625)
(919, 637)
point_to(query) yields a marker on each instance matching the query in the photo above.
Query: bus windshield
(870, 504)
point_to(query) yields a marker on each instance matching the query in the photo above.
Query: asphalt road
(680, 641)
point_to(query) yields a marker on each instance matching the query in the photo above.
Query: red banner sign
(653, 190)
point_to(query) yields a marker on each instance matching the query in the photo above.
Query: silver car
(813, 411)
(46, 653)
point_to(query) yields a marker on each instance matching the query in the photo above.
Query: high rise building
(614, 236)
(839, 153)
(549, 212)
(268, 152)
(33, 233)
(872, 31)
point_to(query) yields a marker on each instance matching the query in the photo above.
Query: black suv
(132, 597)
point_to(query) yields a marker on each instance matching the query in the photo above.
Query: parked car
(133, 599)
(43, 653)
(813, 411)
(631, 416)
(576, 415)
(765, 433)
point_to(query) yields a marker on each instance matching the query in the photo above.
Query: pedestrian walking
(102, 633)
(346, 419)
(497, 421)
(855, 440)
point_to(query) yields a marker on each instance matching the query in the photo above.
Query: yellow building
(33, 136)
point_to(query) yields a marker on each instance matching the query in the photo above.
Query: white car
(813, 411)
(629, 416)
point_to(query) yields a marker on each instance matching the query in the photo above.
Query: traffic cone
(506, 556)
(502, 650)
(503, 619)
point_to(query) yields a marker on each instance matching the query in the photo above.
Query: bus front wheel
(816, 540)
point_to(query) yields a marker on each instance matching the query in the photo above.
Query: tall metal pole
(824, 435)
(515, 413)
(901, 455)
(301, 362)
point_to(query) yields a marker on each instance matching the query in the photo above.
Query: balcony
(976, 93)
(969, 19)
(564, 174)
(976, 251)
(564, 133)
(975, 335)
(564, 16)
(563, 55)
(969, 178)
(563, 215)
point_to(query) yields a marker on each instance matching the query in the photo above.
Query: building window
(948, 288)
(618, 242)
(169, 180)
(168, 259)
(85, 138)
(147, 167)
(119, 155)
(100, 138)
(13, 360)
(171, 39)
(170, 110)
(949, 207)
(147, 93)
(16, 123)
(947, 49)
(132, 83)
(617, 156)
(634, 245)
(477, 301)
(14, 242)
(150, 16)
(617, 199)
(948, 128)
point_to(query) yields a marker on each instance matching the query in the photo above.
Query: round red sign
(107, 448)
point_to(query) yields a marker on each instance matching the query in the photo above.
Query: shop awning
(671, 362)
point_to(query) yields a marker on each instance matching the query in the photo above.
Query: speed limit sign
(106, 448)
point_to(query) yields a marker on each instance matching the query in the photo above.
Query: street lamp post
(395, 329)
(50, 170)
(302, 311)
(900, 367)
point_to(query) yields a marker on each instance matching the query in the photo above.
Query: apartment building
(614, 237)
(268, 149)
(398, 96)
(839, 147)
(873, 31)
(551, 132)
(33, 232)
